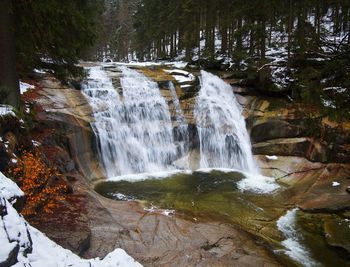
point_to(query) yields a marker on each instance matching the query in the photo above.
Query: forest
(281, 46)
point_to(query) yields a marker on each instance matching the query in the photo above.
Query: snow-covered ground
(24, 87)
(34, 248)
(6, 110)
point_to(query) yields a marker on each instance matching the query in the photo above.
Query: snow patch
(184, 79)
(36, 143)
(271, 157)
(6, 110)
(334, 184)
(24, 87)
(8, 188)
(176, 71)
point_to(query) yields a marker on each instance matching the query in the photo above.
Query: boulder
(299, 147)
(275, 129)
(337, 232)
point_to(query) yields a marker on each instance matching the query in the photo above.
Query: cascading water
(135, 133)
(224, 140)
(181, 126)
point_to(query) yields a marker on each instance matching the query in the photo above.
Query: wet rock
(300, 147)
(337, 232)
(158, 240)
(275, 129)
(348, 189)
(322, 195)
(68, 226)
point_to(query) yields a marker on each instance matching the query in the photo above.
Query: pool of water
(217, 196)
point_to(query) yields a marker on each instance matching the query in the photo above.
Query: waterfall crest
(224, 140)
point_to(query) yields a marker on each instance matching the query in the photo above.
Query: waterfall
(224, 140)
(134, 130)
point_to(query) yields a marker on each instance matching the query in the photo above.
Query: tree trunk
(9, 84)
(290, 27)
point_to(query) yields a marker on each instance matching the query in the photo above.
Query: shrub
(43, 188)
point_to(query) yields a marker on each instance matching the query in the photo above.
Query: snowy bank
(23, 245)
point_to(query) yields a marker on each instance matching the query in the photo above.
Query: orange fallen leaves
(40, 183)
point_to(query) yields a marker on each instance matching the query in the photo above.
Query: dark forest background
(298, 48)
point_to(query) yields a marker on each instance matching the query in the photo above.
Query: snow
(176, 71)
(40, 71)
(6, 110)
(293, 248)
(24, 87)
(36, 143)
(336, 89)
(6, 245)
(8, 188)
(48, 253)
(15, 230)
(334, 184)
(175, 64)
(179, 64)
(184, 79)
(271, 157)
(181, 76)
(328, 103)
(16, 227)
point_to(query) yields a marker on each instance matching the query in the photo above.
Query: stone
(11, 258)
(275, 129)
(337, 232)
(291, 147)
(348, 189)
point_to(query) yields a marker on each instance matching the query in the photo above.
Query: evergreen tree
(49, 34)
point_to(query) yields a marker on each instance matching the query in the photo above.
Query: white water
(134, 132)
(181, 131)
(294, 249)
(224, 140)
